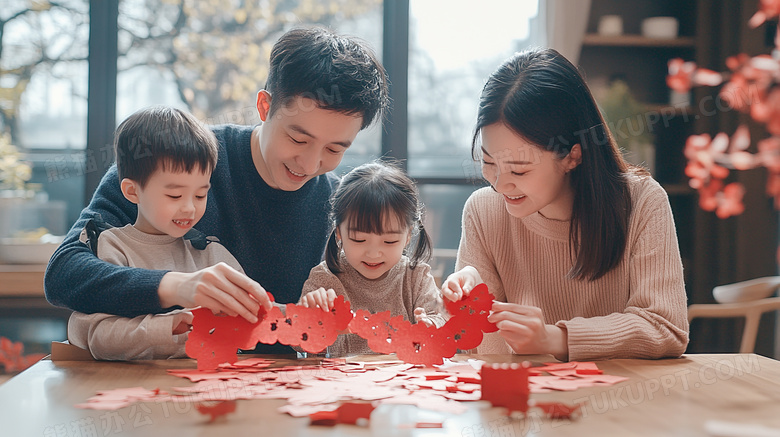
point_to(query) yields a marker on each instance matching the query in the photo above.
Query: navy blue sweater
(277, 236)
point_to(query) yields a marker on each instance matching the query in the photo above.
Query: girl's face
(530, 179)
(373, 255)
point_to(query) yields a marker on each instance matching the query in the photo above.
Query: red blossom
(767, 9)
(680, 76)
(730, 204)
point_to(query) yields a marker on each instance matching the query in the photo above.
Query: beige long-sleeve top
(400, 290)
(147, 337)
(636, 310)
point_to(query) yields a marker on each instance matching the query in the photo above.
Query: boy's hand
(319, 298)
(460, 283)
(184, 322)
(219, 288)
(421, 316)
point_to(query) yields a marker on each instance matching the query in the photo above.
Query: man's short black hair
(340, 73)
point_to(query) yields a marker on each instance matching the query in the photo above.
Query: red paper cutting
(378, 329)
(506, 385)
(214, 340)
(469, 318)
(417, 344)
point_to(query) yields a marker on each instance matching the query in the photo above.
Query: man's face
(300, 141)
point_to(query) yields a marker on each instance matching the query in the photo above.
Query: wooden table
(661, 398)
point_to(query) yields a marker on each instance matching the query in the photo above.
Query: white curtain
(565, 23)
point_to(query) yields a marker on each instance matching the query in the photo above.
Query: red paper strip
(214, 340)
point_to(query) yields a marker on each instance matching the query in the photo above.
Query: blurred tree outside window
(454, 46)
(211, 57)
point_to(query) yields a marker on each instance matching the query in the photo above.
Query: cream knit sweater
(636, 310)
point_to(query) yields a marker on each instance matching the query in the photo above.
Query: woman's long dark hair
(366, 197)
(542, 97)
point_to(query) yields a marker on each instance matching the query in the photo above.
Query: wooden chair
(748, 299)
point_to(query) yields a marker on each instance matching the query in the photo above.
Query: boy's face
(300, 141)
(171, 202)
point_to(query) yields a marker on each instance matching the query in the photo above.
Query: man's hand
(219, 288)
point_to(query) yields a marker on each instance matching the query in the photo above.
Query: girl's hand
(421, 316)
(524, 330)
(460, 283)
(219, 288)
(319, 298)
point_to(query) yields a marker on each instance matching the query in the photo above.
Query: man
(268, 203)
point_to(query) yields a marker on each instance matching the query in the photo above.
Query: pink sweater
(636, 310)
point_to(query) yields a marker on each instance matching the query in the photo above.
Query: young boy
(164, 160)
(269, 192)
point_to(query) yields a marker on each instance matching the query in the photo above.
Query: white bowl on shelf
(660, 27)
(24, 251)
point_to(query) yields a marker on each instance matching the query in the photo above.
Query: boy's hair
(340, 73)
(164, 138)
(366, 198)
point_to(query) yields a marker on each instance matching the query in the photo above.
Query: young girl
(578, 248)
(375, 212)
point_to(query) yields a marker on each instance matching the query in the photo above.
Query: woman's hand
(421, 316)
(319, 298)
(523, 328)
(219, 288)
(460, 283)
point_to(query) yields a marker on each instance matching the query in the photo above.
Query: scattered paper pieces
(341, 391)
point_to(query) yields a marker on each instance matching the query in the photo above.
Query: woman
(578, 247)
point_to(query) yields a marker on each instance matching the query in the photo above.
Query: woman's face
(530, 178)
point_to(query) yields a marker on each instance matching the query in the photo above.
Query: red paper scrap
(352, 413)
(216, 409)
(557, 410)
(588, 368)
(506, 385)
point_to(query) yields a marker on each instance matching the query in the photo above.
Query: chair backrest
(748, 299)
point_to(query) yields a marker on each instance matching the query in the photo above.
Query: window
(212, 60)
(210, 57)
(43, 91)
(454, 45)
